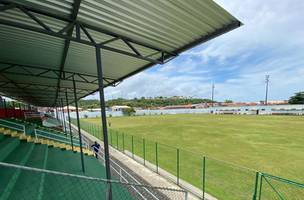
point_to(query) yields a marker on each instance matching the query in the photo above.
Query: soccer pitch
(271, 144)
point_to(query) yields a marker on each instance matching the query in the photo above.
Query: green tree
(228, 101)
(128, 111)
(298, 98)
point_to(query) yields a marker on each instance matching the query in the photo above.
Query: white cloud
(270, 42)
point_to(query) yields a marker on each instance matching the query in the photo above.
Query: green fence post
(93, 126)
(123, 142)
(98, 132)
(204, 176)
(132, 147)
(156, 157)
(255, 186)
(261, 182)
(117, 140)
(144, 150)
(177, 166)
(111, 138)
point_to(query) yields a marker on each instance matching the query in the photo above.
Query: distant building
(190, 106)
(119, 108)
(275, 102)
(94, 109)
(201, 105)
(71, 109)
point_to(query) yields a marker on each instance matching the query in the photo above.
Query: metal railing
(59, 185)
(56, 137)
(124, 175)
(12, 125)
(202, 175)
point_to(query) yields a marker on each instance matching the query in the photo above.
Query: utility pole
(212, 94)
(267, 83)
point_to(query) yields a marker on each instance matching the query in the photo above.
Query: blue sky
(270, 42)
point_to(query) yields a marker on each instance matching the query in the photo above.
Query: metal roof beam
(83, 78)
(36, 84)
(78, 40)
(132, 47)
(67, 42)
(45, 91)
(84, 27)
(33, 17)
(20, 89)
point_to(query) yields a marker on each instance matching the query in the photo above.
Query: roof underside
(45, 44)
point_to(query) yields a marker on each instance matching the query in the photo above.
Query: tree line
(143, 102)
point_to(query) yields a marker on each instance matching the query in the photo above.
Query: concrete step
(7, 146)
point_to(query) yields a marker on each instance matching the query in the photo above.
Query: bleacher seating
(18, 150)
(42, 132)
(33, 125)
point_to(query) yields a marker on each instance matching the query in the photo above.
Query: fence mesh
(150, 152)
(275, 188)
(190, 168)
(224, 180)
(217, 178)
(138, 147)
(19, 182)
(167, 159)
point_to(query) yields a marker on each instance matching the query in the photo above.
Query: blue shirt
(96, 147)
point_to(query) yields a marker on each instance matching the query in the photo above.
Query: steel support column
(56, 112)
(103, 117)
(78, 125)
(69, 118)
(64, 124)
(60, 115)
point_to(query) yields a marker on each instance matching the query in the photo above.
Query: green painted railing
(56, 137)
(12, 125)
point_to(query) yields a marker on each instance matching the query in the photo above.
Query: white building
(119, 108)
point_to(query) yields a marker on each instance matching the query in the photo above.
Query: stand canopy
(45, 45)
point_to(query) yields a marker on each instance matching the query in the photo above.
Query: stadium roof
(45, 44)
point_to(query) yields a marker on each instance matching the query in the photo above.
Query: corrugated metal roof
(134, 34)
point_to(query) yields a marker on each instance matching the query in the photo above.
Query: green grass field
(272, 144)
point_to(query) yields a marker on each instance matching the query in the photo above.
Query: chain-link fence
(275, 188)
(209, 176)
(20, 182)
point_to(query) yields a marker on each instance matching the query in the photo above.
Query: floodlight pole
(69, 118)
(212, 94)
(65, 131)
(78, 124)
(103, 117)
(267, 84)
